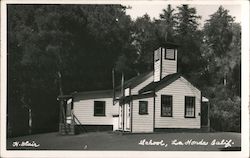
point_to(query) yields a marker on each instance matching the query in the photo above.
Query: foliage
(167, 25)
(84, 42)
(225, 111)
(145, 42)
(71, 40)
(222, 52)
(189, 37)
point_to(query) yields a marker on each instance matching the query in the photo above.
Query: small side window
(157, 54)
(166, 105)
(99, 108)
(143, 107)
(189, 107)
(170, 54)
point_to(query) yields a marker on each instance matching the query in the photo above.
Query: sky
(203, 10)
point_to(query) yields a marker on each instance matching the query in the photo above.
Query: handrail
(78, 121)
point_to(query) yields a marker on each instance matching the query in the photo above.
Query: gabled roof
(109, 93)
(166, 81)
(136, 96)
(136, 80)
(94, 94)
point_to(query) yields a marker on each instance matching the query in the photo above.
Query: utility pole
(113, 83)
(122, 101)
(30, 121)
(208, 117)
(61, 100)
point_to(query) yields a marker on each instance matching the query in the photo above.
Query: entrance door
(124, 117)
(127, 117)
(204, 114)
(120, 121)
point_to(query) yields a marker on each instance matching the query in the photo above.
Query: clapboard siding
(157, 70)
(169, 66)
(178, 89)
(84, 111)
(142, 123)
(127, 91)
(135, 90)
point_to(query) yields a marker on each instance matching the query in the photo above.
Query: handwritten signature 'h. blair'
(25, 144)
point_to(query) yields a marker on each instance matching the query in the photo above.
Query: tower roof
(169, 45)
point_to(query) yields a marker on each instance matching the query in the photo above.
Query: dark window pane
(143, 107)
(157, 54)
(170, 54)
(166, 105)
(99, 108)
(189, 106)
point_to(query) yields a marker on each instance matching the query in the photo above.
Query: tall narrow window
(143, 107)
(189, 107)
(166, 105)
(99, 108)
(170, 54)
(157, 54)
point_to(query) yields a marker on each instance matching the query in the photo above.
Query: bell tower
(165, 61)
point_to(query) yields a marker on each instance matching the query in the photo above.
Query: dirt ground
(142, 142)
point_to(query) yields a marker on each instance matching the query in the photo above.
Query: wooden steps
(66, 129)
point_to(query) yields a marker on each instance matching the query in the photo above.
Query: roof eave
(155, 86)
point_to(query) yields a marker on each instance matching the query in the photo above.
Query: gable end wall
(134, 91)
(178, 89)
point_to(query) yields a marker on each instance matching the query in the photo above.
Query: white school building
(158, 100)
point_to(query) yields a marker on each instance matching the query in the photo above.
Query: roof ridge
(166, 80)
(93, 91)
(132, 82)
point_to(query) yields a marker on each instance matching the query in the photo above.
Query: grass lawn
(114, 141)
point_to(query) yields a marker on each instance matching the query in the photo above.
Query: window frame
(171, 103)
(165, 54)
(158, 54)
(104, 108)
(185, 110)
(143, 101)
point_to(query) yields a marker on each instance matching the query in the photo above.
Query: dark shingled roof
(136, 80)
(170, 45)
(93, 94)
(166, 81)
(109, 93)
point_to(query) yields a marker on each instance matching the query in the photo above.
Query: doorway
(125, 117)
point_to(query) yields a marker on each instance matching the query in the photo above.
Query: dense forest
(55, 49)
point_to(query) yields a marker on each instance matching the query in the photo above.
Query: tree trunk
(61, 116)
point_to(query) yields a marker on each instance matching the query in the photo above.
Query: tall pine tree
(166, 25)
(222, 41)
(189, 37)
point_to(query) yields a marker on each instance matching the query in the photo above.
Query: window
(143, 107)
(170, 54)
(157, 54)
(166, 105)
(99, 108)
(189, 106)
